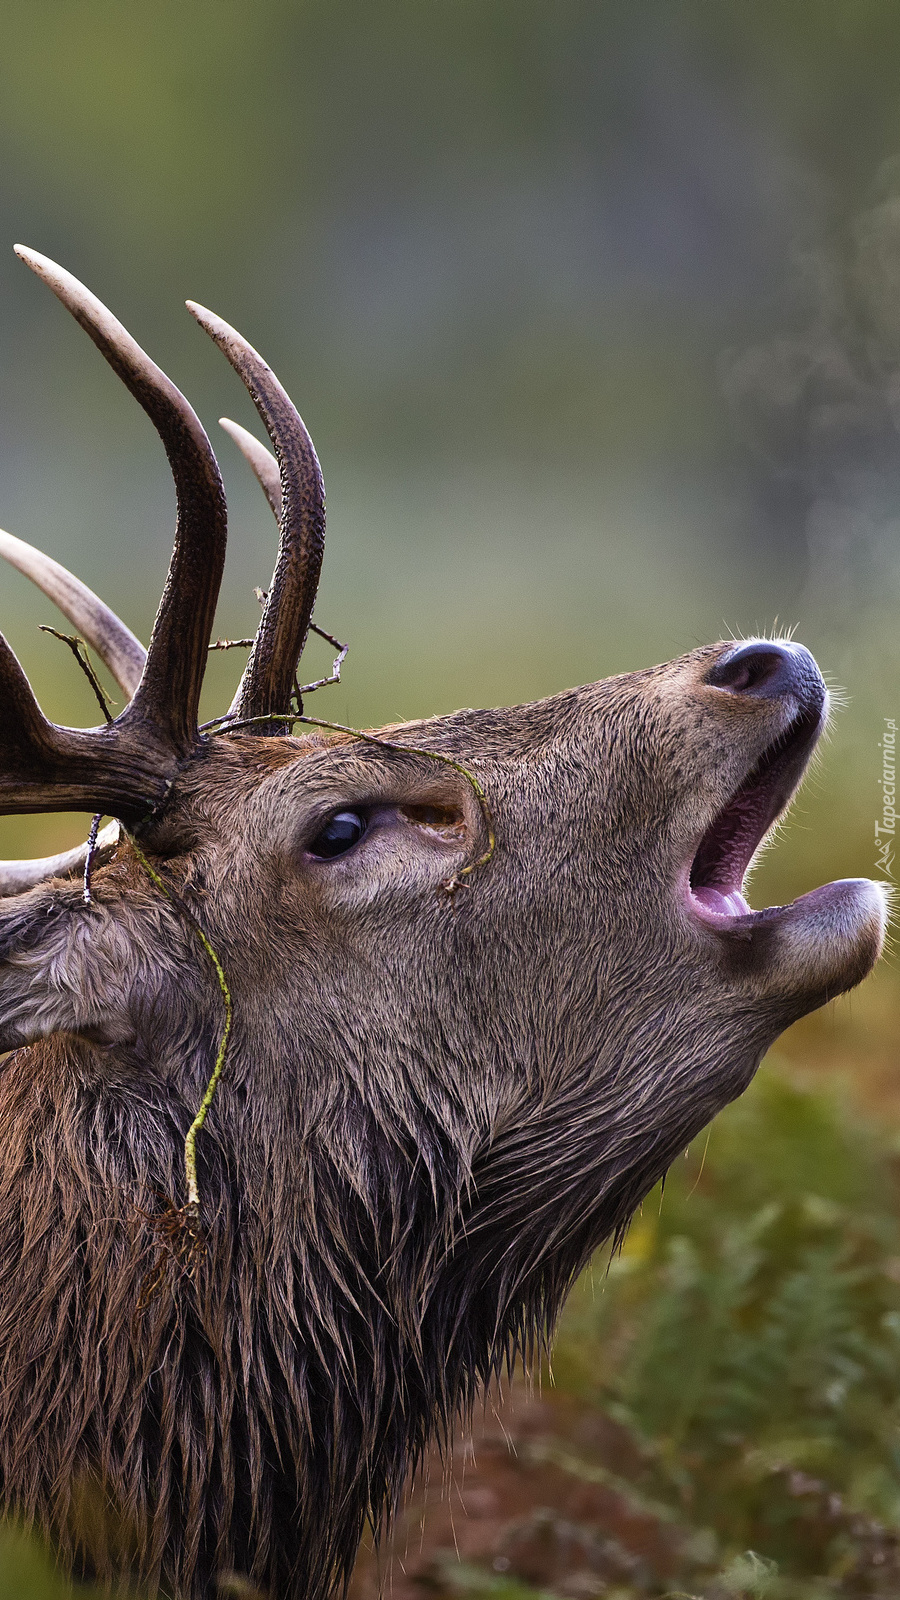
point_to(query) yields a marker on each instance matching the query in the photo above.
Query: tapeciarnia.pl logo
(886, 828)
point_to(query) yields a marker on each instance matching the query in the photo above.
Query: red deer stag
(485, 975)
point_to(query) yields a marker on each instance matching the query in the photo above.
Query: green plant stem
(220, 725)
(190, 1143)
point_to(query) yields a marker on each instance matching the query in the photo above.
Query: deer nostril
(769, 670)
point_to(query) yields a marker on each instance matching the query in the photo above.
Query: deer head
(486, 974)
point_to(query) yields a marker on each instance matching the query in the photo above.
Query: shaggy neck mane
(275, 1388)
(251, 1408)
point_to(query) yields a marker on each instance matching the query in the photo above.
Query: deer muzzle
(830, 937)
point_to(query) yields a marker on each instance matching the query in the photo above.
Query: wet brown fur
(435, 1107)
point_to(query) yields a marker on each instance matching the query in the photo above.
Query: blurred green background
(592, 309)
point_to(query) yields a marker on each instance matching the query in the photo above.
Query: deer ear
(65, 967)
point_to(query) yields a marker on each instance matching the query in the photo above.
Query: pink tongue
(722, 905)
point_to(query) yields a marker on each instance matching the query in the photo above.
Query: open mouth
(732, 839)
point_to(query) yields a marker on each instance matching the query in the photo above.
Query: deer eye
(340, 833)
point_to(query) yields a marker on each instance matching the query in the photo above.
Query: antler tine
(269, 676)
(17, 876)
(115, 644)
(125, 769)
(265, 467)
(168, 694)
(115, 769)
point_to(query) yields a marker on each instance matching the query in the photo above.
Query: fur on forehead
(231, 768)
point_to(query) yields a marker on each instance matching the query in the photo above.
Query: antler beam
(269, 676)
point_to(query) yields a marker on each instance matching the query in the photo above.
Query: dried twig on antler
(300, 689)
(89, 857)
(80, 652)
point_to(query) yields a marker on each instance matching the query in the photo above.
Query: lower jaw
(835, 932)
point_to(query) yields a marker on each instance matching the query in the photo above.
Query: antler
(265, 467)
(125, 769)
(17, 876)
(106, 633)
(268, 680)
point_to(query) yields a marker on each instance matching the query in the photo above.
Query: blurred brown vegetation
(721, 1417)
(593, 313)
